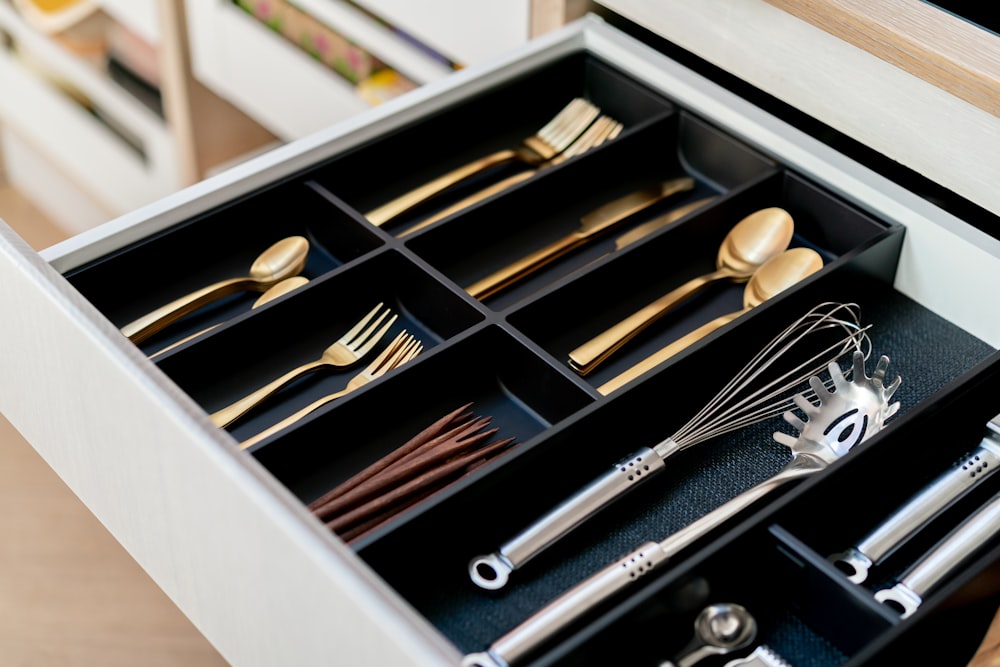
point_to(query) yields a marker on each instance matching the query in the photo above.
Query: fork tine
(389, 350)
(562, 139)
(570, 126)
(567, 113)
(602, 130)
(402, 354)
(347, 337)
(371, 339)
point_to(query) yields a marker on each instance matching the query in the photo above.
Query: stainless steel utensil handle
(515, 645)
(967, 472)
(921, 579)
(597, 589)
(491, 571)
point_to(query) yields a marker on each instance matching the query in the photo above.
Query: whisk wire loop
(749, 397)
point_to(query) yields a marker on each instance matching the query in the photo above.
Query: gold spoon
(774, 276)
(280, 289)
(284, 259)
(751, 242)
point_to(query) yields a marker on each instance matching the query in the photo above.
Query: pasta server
(850, 413)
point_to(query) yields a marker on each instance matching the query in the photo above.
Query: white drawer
(226, 533)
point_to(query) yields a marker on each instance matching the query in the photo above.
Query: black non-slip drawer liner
(922, 346)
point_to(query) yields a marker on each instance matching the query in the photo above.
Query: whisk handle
(586, 596)
(491, 571)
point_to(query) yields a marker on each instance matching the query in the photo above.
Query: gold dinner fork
(402, 349)
(547, 143)
(346, 351)
(601, 130)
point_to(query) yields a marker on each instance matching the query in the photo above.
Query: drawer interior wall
(506, 357)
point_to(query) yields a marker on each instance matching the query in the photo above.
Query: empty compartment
(486, 370)
(574, 323)
(483, 122)
(481, 243)
(233, 362)
(218, 245)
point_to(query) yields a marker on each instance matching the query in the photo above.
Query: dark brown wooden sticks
(438, 456)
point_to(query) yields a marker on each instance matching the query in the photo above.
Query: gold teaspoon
(774, 276)
(280, 289)
(751, 242)
(284, 259)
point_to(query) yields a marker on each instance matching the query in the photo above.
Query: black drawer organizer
(507, 355)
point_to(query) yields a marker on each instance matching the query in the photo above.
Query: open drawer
(220, 517)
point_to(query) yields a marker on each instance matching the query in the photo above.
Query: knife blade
(640, 232)
(599, 220)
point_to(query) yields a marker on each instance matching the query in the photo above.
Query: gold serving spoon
(751, 242)
(284, 259)
(280, 289)
(773, 277)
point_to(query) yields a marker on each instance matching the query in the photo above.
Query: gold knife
(599, 220)
(673, 215)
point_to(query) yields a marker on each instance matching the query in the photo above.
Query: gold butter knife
(640, 232)
(597, 221)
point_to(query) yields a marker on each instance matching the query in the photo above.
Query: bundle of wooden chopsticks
(439, 455)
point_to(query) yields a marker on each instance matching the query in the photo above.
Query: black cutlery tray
(507, 356)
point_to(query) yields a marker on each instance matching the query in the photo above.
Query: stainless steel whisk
(749, 397)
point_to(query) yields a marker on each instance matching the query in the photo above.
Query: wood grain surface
(934, 45)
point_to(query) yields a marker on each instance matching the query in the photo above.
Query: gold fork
(601, 130)
(346, 351)
(547, 143)
(402, 349)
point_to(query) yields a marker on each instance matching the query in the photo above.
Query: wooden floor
(70, 595)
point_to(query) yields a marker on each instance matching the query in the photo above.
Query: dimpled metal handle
(517, 644)
(907, 595)
(908, 519)
(492, 571)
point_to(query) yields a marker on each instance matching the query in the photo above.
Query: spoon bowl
(773, 277)
(719, 629)
(751, 242)
(778, 274)
(284, 259)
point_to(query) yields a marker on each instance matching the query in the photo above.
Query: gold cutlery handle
(157, 320)
(291, 419)
(474, 198)
(667, 351)
(514, 271)
(231, 413)
(196, 334)
(586, 357)
(403, 203)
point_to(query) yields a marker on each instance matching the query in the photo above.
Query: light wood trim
(916, 37)
(547, 15)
